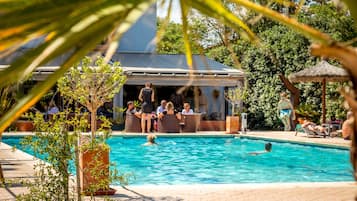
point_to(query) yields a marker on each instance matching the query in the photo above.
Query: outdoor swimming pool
(209, 160)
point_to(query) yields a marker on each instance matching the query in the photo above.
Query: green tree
(92, 84)
(283, 51)
(54, 143)
(172, 41)
(329, 19)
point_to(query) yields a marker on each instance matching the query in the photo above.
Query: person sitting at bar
(132, 119)
(187, 109)
(169, 120)
(131, 110)
(170, 110)
(161, 108)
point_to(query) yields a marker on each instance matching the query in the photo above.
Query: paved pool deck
(17, 164)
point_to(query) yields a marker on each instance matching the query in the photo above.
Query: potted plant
(91, 84)
(234, 96)
(137, 105)
(24, 124)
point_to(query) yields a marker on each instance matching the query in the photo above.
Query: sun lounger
(313, 133)
(298, 128)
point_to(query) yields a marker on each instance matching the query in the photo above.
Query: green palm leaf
(290, 22)
(352, 6)
(75, 39)
(216, 10)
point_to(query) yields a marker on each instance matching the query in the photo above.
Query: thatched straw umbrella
(321, 72)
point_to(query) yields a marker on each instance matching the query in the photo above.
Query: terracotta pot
(94, 170)
(232, 124)
(24, 125)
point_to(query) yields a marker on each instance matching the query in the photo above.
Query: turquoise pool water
(224, 161)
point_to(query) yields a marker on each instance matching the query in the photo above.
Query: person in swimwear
(150, 140)
(267, 148)
(313, 126)
(285, 111)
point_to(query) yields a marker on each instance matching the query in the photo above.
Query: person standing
(146, 96)
(131, 110)
(285, 111)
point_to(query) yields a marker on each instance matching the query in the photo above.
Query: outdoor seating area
(189, 123)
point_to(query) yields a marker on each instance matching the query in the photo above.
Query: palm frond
(75, 38)
(289, 22)
(352, 6)
(216, 10)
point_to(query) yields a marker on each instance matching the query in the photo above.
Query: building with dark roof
(168, 73)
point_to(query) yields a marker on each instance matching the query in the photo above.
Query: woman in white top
(187, 109)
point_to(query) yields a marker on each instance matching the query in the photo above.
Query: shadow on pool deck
(131, 195)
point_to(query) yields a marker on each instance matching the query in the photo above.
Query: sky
(175, 11)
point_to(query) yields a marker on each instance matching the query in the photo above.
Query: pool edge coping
(211, 135)
(324, 145)
(254, 185)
